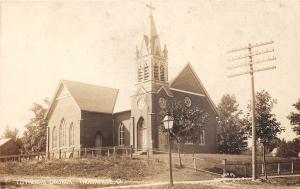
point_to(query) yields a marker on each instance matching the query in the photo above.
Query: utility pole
(253, 54)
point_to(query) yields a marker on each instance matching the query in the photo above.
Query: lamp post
(168, 124)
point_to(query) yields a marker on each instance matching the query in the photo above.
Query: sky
(42, 42)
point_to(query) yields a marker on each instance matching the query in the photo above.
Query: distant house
(8, 147)
(274, 152)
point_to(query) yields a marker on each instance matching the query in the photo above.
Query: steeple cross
(151, 8)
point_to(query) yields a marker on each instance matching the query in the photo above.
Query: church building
(82, 115)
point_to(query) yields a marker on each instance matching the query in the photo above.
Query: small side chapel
(83, 115)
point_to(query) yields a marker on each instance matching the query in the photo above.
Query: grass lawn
(137, 169)
(123, 168)
(213, 163)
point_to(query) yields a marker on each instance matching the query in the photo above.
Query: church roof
(188, 81)
(4, 140)
(100, 99)
(92, 98)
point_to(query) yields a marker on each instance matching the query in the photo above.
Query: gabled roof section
(92, 98)
(4, 140)
(188, 80)
(167, 91)
(88, 97)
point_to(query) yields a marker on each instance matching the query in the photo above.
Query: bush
(289, 149)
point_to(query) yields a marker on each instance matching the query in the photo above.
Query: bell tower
(151, 75)
(151, 60)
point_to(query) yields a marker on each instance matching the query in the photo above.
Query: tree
(231, 130)
(10, 133)
(188, 123)
(35, 136)
(13, 134)
(289, 149)
(267, 126)
(294, 118)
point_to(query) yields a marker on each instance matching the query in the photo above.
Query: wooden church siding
(66, 109)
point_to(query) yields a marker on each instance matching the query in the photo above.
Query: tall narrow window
(202, 137)
(121, 134)
(71, 135)
(162, 73)
(189, 140)
(98, 139)
(61, 133)
(156, 72)
(146, 72)
(140, 74)
(54, 137)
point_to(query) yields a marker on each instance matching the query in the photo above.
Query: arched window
(162, 73)
(61, 133)
(54, 137)
(156, 72)
(71, 135)
(121, 134)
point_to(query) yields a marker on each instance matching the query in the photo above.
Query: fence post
(224, 166)
(194, 162)
(115, 152)
(148, 156)
(278, 168)
(107, 152)
(292, 167)
(59, 153)
(262, 169)
(85, 152)
(245, 170)
(131, 151)
(92, 153)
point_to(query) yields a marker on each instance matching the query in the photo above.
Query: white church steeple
(151, 59)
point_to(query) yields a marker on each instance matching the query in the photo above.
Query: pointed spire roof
(152, 29)
(150, 42)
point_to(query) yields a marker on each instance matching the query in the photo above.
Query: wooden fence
(196, 163)
(245, 169)
(74, 153)
(22, 157)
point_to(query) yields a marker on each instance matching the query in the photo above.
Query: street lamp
(168, 124)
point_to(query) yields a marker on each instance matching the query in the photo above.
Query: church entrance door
(142, 135)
